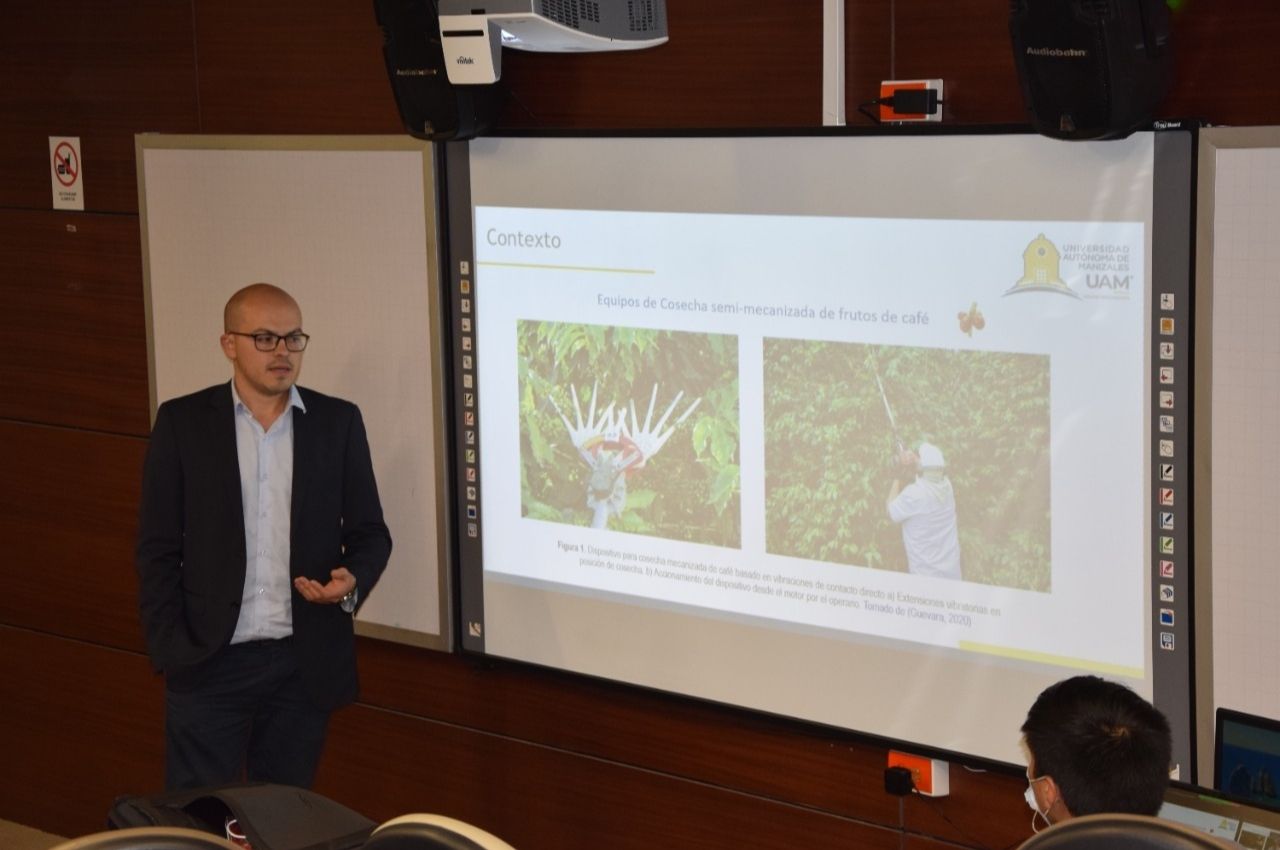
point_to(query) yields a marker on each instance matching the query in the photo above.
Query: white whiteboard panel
(1238, 525)
(347, 226)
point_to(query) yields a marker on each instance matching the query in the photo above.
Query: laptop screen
(1218, 815)
(1246, 757)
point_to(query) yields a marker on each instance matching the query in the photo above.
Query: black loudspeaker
(1091, 69)
(431, 107)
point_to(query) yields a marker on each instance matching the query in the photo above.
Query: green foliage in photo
(689, 489)
(829, 453)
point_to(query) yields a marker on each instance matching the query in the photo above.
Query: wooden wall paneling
(82, 724)
(770, 757)
(1224, 63)
(292, 66)
(868, 34)
(984, 809)
(966, 44)
(911, 841)
(534, 796)
(98, 71)
(69, 501)
(73, 350)
(1222, 60)
(726, 64)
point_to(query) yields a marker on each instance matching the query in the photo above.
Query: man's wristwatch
(348, 602)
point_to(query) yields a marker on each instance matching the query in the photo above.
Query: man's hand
(908, 460)
(341, 582)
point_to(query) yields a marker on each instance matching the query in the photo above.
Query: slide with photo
(775, 421)
(732, 443)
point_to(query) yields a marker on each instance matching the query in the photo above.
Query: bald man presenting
(260, 532)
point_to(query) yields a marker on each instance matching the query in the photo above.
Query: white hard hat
(930, 456)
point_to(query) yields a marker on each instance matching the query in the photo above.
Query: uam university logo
(1041, 270)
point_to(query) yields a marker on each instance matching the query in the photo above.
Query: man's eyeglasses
(268, 341)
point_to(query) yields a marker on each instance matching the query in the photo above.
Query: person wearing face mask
(1094, 747)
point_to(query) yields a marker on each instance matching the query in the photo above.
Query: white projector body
(473, 37)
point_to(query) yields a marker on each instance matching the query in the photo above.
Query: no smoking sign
(66, 173)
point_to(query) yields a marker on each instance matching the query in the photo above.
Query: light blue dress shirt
(266, 491)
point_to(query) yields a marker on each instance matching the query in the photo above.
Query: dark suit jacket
(191, 540)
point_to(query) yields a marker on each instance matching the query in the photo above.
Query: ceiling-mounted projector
(473, 35)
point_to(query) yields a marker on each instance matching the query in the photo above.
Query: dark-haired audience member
(1094, 747)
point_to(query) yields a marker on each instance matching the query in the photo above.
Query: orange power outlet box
(931, 777)
(888, 87)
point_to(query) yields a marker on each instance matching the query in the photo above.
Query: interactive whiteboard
(698, 364)
(1238, 367)
(348, 226)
